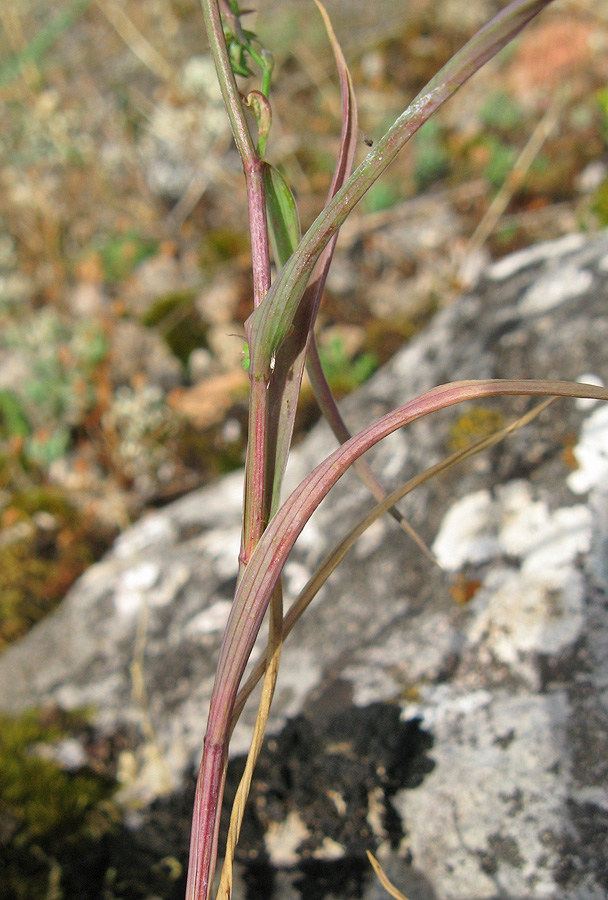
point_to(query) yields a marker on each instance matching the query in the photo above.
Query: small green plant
(344, 374)
(602, 101)
(121, 253)
(501, 112)
(280, 339)
(59, 389)
(500, 161)
(432, 159)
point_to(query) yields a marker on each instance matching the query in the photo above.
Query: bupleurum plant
(280, 340)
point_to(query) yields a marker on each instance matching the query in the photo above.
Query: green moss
(44, 499)
(46, 813)
(13, 418)
(208, 452)
(478, 422)
(176, 318)
(38, 564)
(222, 245)
(602, 102)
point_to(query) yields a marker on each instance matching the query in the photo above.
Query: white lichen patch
(210, 620)
(133, 587)
(513, 263)
(441, 701)
(466, 534)
(173, 580)
(147, 585)
(478, 528)
(591, 453)
(222, 548)
(553, 288)
(282, 840)
(523, 521)
(329, 850)
(498, 771)
(148, 532)
(532, 603)
(540, 538)
(523, 614)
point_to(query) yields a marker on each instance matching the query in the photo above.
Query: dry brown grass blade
(335, 557)
(134, 39)
(386, 884)
(271, 661)
(333, 416)
(517, 174)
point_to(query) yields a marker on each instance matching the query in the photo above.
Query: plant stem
(205, 818)
(256, 504)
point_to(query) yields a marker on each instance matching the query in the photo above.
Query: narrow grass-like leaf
(42, 41)
(320, 385)
(386, 884)
(337, 554)
(288, 364)
(269, 325)
(260, 577)
(331, 413)
(282, 215)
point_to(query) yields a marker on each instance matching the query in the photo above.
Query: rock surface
(455, 721)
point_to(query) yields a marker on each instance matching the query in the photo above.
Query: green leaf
(13, 416)
(282, 213)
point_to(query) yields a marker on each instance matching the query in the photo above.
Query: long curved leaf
(333, 416)
(263, 571)
(266, 563)
(288, 365)
(270, 324)
(337, 554)
(282, 214)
